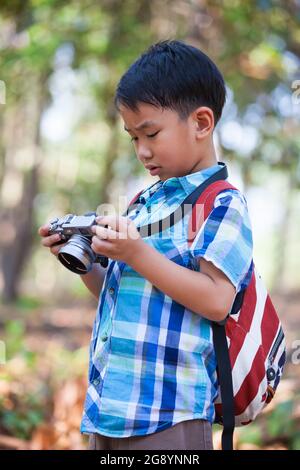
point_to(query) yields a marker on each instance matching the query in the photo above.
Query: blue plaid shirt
(152, 361)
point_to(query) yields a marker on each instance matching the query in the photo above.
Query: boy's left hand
(120, 241)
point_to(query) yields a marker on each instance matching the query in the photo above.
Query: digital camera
(75, 230)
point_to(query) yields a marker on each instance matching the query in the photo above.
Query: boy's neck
(207, 159)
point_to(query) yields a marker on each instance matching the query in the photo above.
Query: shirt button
(104, 337)
(96, 382)
(111, 290)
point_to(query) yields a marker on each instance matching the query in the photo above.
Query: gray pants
(188, 435)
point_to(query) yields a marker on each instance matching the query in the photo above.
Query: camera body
(75, 230)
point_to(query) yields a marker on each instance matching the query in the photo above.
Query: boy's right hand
(49, 241)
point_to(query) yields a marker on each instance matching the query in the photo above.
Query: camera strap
(185, 207)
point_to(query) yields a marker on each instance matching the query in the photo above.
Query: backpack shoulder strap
(135, 198)
(132, 202)
(200, 212)
(204, 206)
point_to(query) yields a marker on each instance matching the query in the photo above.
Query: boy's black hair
(174, 75)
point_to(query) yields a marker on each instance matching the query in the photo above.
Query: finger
(49, 241)
(44, 230)
(117, 223)
(55, 249)
(105, 233)
(100, 246)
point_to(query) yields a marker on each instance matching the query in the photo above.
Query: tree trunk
(16, 252)
(16, 214)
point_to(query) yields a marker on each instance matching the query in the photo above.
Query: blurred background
(63, 150)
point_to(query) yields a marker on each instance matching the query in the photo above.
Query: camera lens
(77, 255)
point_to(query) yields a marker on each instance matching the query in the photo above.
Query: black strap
(219, 335)
(185, 207)
(178, 214)
(225, 382)
(238, 302)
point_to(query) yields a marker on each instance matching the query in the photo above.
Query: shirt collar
(188, 182)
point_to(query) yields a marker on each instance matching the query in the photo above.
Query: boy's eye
(149, 135)
(153, 135)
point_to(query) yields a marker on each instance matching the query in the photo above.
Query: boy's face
(165, 145)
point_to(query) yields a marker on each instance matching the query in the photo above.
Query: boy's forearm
(94, 279)
(192, 289)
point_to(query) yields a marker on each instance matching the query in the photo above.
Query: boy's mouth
(154, 170)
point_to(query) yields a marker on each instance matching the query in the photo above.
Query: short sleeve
(225, 238)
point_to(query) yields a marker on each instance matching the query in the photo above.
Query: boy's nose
(143, 152)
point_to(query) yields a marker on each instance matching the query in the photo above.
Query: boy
(152, 374)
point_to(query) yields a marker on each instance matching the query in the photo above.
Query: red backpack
(249, 344)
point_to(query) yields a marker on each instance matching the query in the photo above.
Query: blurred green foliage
(61, 62)
(279, 426)
(21, 421)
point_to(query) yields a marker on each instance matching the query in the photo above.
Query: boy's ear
(204, 122)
